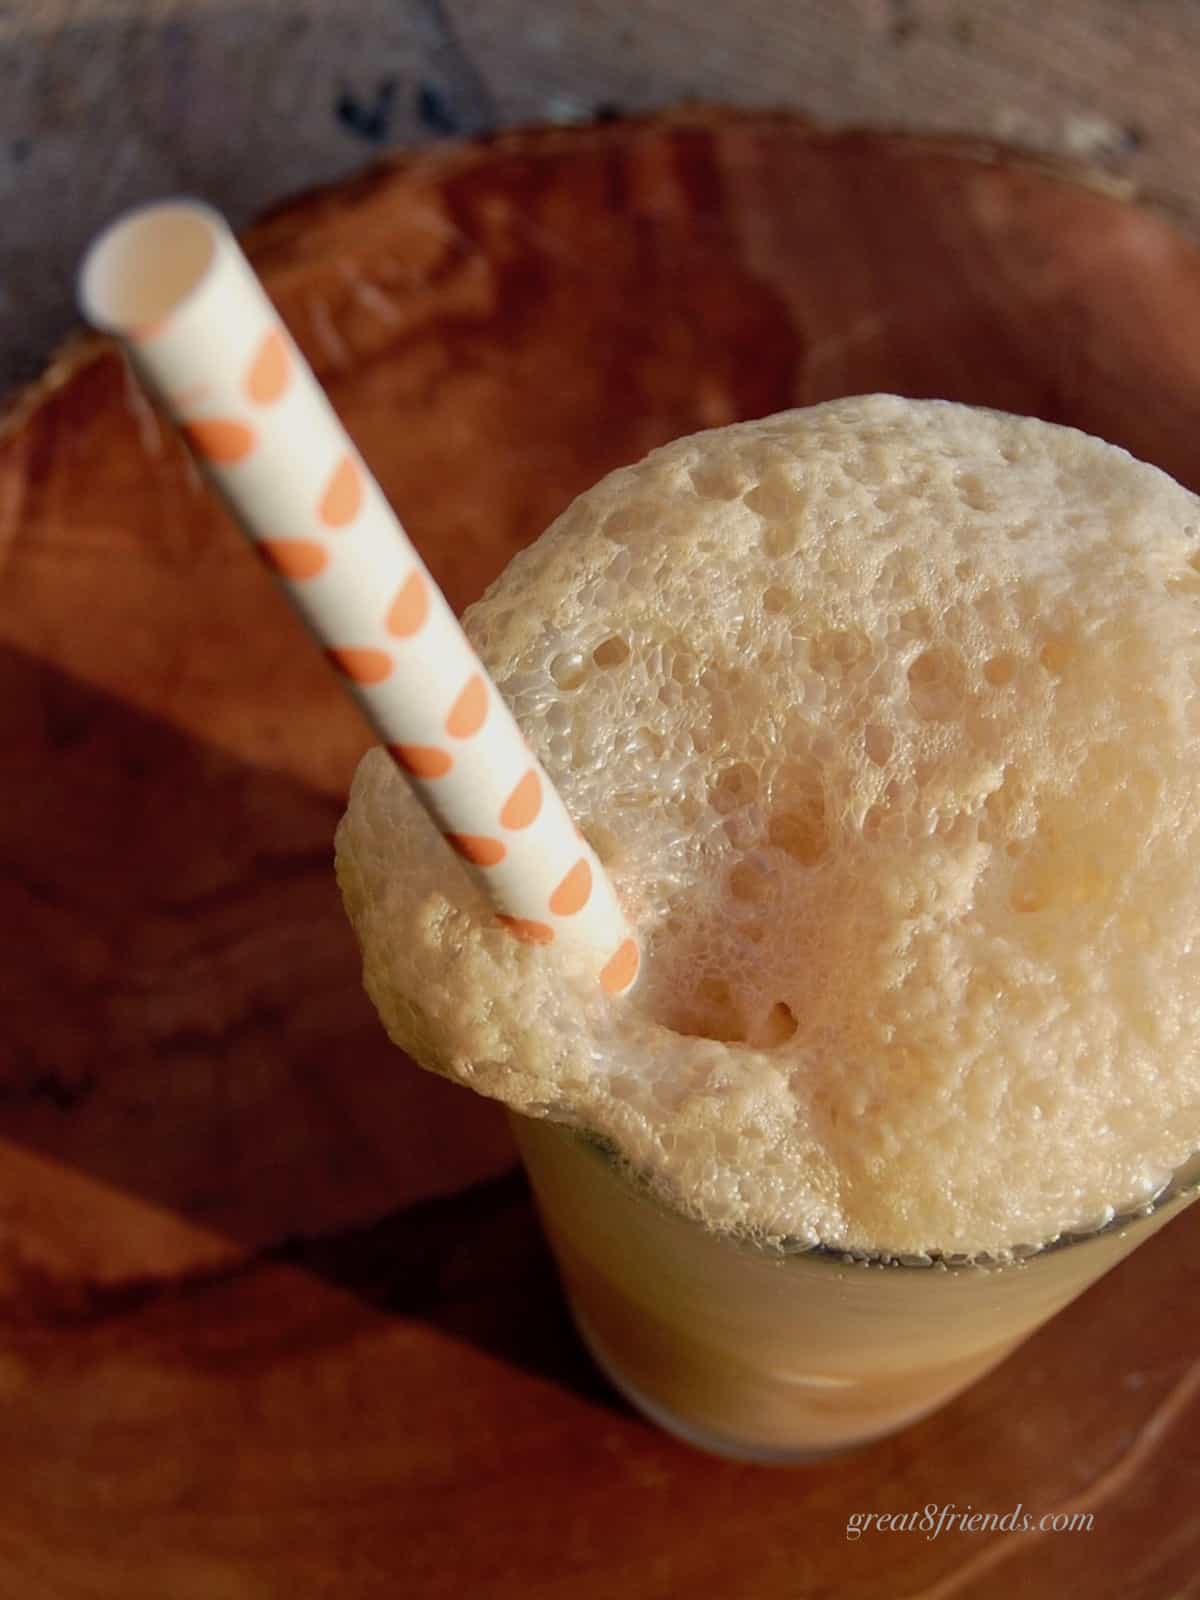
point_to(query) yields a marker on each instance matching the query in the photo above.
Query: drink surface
(883, 717)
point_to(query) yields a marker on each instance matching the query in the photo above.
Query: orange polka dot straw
(170, 281)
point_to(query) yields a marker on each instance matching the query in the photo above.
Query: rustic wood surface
(274, 1314)
(109, 102)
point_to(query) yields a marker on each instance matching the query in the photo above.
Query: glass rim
(1182, 1186)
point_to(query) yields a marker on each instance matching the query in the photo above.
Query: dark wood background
(109, 102)
(275, 1318)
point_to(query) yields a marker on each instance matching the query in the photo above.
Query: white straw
(171, 282)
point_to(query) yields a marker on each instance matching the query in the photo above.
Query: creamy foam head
(883, 717)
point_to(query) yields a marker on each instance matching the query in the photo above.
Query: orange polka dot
(422, 760)
(271, 370)
(524, 803)
(528, 931)
(410, 607)
(468, 712)
(572, 893)
(343, 496)
(621, 969)
(294, 558)
(221, 441)
(363, 666)
(149, 330)
(477, 848)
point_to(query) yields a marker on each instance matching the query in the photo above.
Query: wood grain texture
(110, 102)
(406, 1411)
(192, 1405)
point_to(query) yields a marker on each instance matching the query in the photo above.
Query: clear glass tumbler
(777, 1355)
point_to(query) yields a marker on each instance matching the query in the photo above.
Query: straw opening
(146, 265)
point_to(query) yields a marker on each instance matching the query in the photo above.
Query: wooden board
(193, 1403)
(109, 101)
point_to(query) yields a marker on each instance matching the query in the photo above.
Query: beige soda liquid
(884, 718)
(777, 1355)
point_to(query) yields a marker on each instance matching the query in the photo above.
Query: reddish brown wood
(190, 1076)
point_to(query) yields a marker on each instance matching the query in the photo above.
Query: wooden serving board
(275, 1318)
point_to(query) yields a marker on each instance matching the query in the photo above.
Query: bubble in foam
(886, 716)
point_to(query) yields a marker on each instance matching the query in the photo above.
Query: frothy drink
(884, 719)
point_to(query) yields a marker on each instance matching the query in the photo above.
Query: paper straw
(171, 282)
